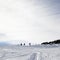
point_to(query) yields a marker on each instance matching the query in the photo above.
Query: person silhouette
(29, 44)
(24, 44)
(21, 44)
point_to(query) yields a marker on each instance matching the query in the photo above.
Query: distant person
(24, 44)
(21, 44)
(29, 44)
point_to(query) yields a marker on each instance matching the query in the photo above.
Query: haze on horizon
(29, 20)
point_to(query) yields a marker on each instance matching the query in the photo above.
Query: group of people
(25, 44)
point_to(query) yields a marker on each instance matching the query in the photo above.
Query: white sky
(27, 20)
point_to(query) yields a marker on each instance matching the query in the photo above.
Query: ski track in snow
(33, 56)
(29, 53)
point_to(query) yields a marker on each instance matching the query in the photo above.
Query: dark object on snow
(24, 44)
(21, 44)
(52, 42)
(45, 43)
(56, 42)
(29, 44)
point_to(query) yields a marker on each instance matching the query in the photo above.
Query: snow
(29, 53)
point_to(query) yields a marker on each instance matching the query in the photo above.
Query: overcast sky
(30, 20)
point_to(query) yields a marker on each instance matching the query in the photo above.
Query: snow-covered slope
(29, 53)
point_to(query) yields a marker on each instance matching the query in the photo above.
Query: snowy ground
(29, 53)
